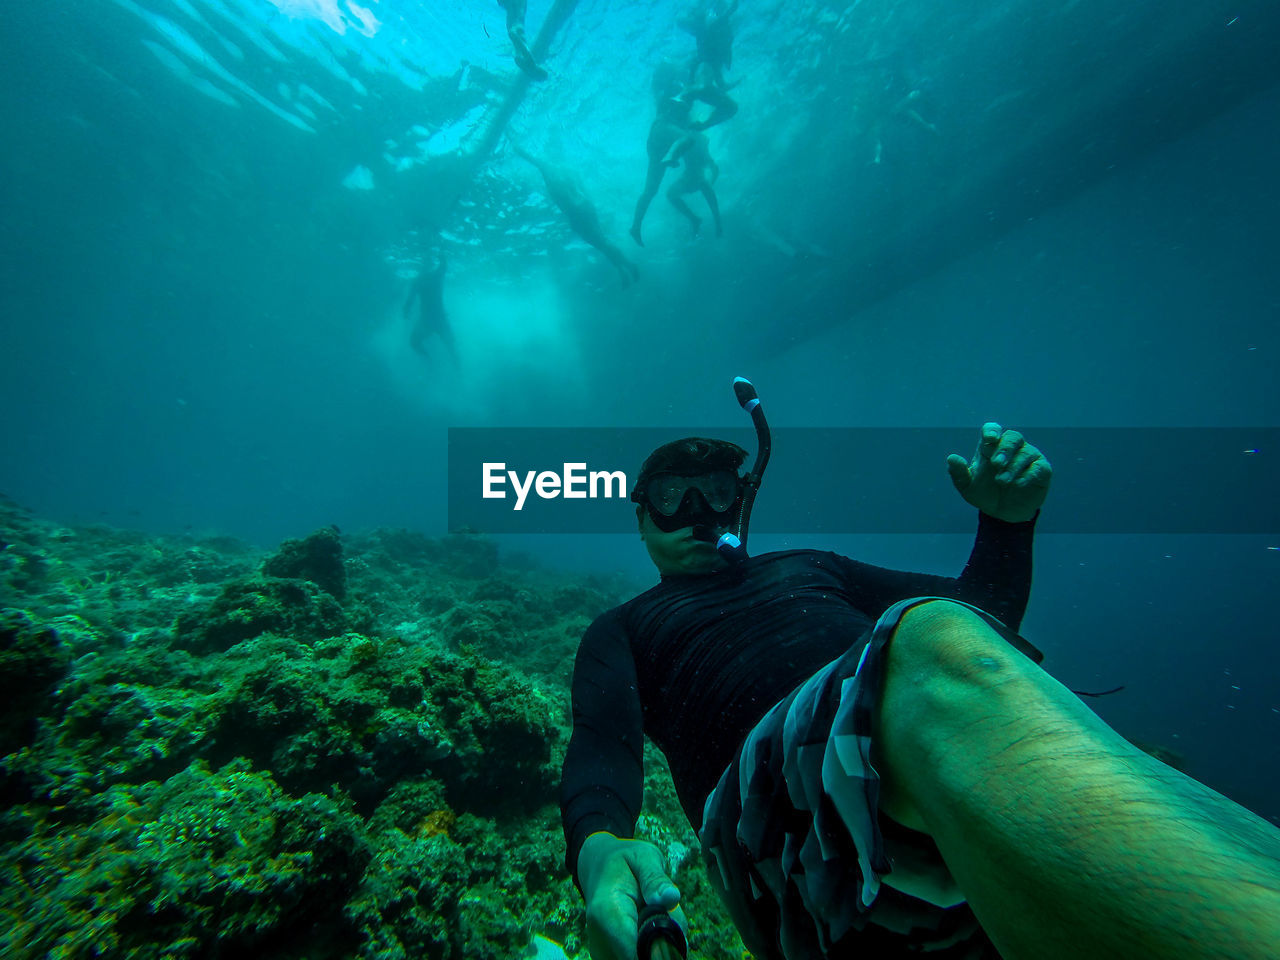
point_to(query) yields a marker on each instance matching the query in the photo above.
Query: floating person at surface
(427, 293)
(894, 92)
(908, 108)
(581, 213)
(700, 173)
(713, 33)
(520, 44)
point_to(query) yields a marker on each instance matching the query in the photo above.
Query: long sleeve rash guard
(697, 660)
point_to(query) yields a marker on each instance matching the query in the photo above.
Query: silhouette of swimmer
(580, 212)
(519, 43)
(670, 127)
(713, 34)
(909, 108)
(895, 94)
(700, 172)
(428, 292)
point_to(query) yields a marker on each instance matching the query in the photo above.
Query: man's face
(678, 552)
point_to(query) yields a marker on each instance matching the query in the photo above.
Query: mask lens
(721, 490)
(667, 491)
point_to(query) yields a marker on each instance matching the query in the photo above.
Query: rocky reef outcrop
(347, 747)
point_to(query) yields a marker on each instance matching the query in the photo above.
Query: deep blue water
(213, 208)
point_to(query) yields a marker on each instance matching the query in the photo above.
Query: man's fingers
(987, 444)
(655, 886)
(1005, 457)
(958, 468)
(991, 432)
(1028, 466)
(1018, 463)
(1036, 474)
(662, 893)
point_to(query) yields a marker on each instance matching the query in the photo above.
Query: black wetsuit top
(696, 661)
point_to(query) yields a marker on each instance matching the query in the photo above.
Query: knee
(943, 645)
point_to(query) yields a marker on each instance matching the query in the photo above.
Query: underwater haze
(223, 220)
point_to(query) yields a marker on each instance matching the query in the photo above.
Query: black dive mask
(675, 501)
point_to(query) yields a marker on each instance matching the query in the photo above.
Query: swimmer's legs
(451, 344)
(653, 180)
(625, 267)
(677, 201)
(714, 205)
(524, 57)
(1068, 841)
(519, 42)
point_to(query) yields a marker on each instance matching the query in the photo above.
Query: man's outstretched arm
(601, 791)
(602, 780)
(1007, 480)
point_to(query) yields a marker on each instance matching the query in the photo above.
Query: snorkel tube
(732, 544)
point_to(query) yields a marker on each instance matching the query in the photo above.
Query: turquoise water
(934, 214)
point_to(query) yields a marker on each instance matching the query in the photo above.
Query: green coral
(317, 558)
(217, 762)
(32, 660)
(204, 863)
(249, 607)
(472, 892)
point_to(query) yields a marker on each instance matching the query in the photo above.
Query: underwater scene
(294, 293)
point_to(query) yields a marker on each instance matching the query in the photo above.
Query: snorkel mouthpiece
(704, 533)
(731, 548)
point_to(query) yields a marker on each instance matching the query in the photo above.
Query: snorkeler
(428, 292)
(519, 43)
(875, 762)
(670, 129)
(580, 212)
(669, 126)
(700, 172)
(713, 34)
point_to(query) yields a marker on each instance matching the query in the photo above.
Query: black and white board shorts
(795, 842)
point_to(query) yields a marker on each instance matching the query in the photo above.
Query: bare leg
(446, 334)
(677, 201)
(621, 263)
(519, 43)
(723, 107)
(418, 340)
(653, 180)
(1067, 840)
(524, 59)
(714, 204)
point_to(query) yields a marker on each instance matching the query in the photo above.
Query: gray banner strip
(1136, 480)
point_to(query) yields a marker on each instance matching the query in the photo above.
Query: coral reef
(317, 558)
(206, 858)
(254, 606)
(32, 660)
(347, 748)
